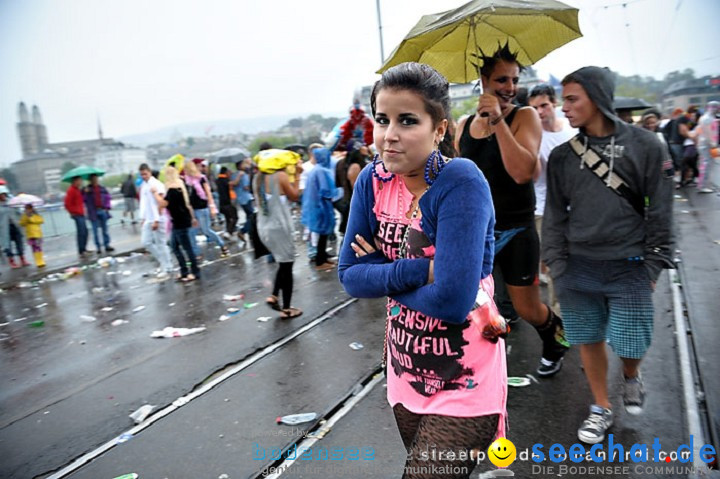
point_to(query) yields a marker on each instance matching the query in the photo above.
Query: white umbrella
(25, 199)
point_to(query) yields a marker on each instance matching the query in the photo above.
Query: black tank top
(514, 203)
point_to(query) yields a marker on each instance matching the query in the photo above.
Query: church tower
(40, 130)
(27, 132)
(100, 132)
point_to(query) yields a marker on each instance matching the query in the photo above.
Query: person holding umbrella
(75, 205)
(9, 232)
(32, 222)
(97, 204)
(504, 140)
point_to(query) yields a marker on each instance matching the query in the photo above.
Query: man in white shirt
(153, 223)
(555, 132)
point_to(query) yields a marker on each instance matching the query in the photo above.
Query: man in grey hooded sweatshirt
(606, 237)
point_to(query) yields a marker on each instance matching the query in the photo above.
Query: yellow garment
(39, 260)
(176, 161)
(32, 225)
(270, 161)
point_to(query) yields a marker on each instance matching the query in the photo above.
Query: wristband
(497, 120)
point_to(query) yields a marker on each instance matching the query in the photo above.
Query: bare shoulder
(459, 130)
(526, 117)
(283, 180)
(463, 119)
(527, 113)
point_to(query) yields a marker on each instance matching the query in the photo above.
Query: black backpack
(670, 131)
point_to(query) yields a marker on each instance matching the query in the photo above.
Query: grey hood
(599, 84)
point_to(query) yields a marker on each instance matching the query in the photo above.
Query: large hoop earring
(375, 162)
(434, 165)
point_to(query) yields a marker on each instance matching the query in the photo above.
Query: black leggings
(321, 256)
(231, 217)
(284, 282)
(428, 438)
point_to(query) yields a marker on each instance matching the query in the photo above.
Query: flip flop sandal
(189, 278)
(274, 303)
(290, 313)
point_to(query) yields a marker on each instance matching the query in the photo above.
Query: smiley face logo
(502, 452)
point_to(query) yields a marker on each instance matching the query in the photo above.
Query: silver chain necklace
(402, 251)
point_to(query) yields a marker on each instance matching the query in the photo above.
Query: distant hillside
(207, 128)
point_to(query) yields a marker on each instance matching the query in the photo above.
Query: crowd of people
(11, 233)
(91, 203)
(586, 199)
(691, 138)
(446, 220)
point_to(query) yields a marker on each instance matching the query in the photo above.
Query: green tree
(295, 123)
(67, 166)
(276, 141)
(10, 179)
(648, 88)
(314, 139)
(190, 141)
(676, 76)
(113, 181)
(466, 107)
(329, 123)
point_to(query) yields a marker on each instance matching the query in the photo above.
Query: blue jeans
(676, 151)
(82, 232)
(248, 209)
(181, 239)
(203, 217)
(101, 222)
(156, 243)
(17, 238)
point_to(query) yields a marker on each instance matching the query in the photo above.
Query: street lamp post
(382, 49)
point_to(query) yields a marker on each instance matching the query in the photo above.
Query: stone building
(697, 92)
(39, 171)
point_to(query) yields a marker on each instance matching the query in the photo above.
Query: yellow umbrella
(453, 41)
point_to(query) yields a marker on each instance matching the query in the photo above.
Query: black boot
(555, 345)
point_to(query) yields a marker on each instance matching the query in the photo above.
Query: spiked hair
(503, 53)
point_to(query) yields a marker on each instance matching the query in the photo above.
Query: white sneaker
(634, 395)
(594, 427)
(162, 275)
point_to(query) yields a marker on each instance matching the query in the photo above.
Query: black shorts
(519, 259)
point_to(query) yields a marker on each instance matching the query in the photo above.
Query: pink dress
(433, 366)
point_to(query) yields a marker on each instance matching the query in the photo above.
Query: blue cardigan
(457, 217)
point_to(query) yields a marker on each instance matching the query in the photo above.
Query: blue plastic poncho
(320, 191)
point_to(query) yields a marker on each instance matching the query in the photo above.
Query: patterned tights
(429, 440)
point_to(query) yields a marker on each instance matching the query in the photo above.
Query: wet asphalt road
(69, 385)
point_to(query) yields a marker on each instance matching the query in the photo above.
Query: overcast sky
(145, 64)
